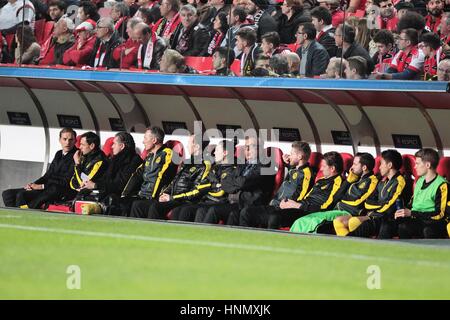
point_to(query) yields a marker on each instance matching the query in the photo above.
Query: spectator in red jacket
(128, 51)
(78, 55)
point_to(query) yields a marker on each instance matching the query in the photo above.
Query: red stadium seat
(409, 165)
(201, 64)
(236, 67)
(279, 166)
(43, 30)
(9, 40)
(348, 161)
(77, 141)
(443, 168)
(376, 169)
(293, 47)
(144, 154)
(107, 146)
(315, 160)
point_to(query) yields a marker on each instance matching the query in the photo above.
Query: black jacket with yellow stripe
(382, 201)
(323, 195)
(212, 190)
(357, 191)
(154, 174)
(93, 166)
(189, 181)
(295, 185)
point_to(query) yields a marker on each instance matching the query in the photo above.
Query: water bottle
(399, 204)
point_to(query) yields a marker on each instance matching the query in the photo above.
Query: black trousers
(379, 227)
(159, 210)
(34, 198)
(408, 228)
(269, 217)
(188, 212)
(140, 207)
(216, 213)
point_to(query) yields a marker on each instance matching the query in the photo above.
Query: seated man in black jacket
(107, 40)
(295, 186)
(190, 37)
(90, 161)
(246, 186)
(123, 163)
(150, 178)
(54, 184)
(211, 192)
(186, 186)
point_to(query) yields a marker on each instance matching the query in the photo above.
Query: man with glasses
(107, 40)
(408, 62)
(387, 19)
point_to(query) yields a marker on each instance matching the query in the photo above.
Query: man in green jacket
(427, 216)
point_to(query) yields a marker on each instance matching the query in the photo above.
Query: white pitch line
(227, 245)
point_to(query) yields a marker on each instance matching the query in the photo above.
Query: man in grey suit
(314, 57)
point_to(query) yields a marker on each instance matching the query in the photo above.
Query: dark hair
(377, 2)
(149, 15)
(411, 19)
(146, 30)
(260, 72)
(226, 53)
(127, 140)
(322, 13)
(359, 64)
(431, 39)
(384, 36)
(412, 34)
(428, 155)
(334, 159)
(70, 130)
(91, 138)
(240, 12)
(309, 30)
(348, 33)
(272, 37)
(157, 132)
(279, 64)
(303, 147)
(175, 5)
(222, 16)
(394, 157)
(248, 34)
(366, 159)
(90, 10)
(28, 36)
(57, 3)
(262, 4)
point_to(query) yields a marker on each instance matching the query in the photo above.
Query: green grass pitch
(134, 259)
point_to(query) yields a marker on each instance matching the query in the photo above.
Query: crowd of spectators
(355, 39)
